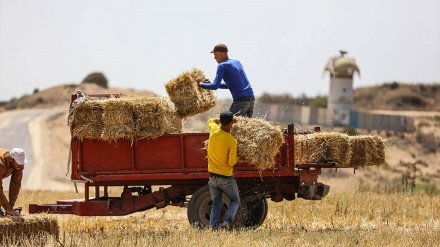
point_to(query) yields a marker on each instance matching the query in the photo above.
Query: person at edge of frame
(11, 164)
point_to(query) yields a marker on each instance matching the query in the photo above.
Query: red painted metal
(176, 160)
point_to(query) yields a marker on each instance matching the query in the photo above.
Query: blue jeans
(218, 186)
(242, 108)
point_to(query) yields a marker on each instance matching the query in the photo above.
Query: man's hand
(12, 212)
(199, 81)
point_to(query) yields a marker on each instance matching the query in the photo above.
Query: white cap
(18, 155)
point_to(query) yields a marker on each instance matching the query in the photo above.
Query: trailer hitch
(315, 191)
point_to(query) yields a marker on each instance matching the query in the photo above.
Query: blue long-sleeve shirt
(234, 78)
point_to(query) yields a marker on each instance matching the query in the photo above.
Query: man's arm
(14, 187)
(217, 83)
(5, 204)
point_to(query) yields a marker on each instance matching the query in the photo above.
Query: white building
(340, 97)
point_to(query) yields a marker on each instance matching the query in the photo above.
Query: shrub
(319, 102)
(97, 78)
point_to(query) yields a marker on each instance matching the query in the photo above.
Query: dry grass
(340, 219)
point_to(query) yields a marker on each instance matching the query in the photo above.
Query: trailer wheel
(257, 212)
(199, 209)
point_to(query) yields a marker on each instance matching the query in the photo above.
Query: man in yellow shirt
(222, 156)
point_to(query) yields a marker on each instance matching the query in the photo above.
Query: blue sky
(283, 45)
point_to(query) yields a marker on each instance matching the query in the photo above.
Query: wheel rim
(205, 210)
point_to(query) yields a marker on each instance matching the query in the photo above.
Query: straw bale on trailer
(12, 229)
(128, 117)
(154, 116)
(322, 147)
(367, 151)
(352, 151)
(118, 119)
(258, 141)
(188, 97)
(88, 120)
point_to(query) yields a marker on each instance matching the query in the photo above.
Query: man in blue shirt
(230, 75)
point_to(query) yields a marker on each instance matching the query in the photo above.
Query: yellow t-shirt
(222, 150)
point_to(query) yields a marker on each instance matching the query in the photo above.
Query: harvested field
(351, 218)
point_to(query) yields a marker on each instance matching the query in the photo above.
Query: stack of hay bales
(12, 229)
(322, 147)
(258, 141)
(128, 117)
(189, 98)
(350, 151)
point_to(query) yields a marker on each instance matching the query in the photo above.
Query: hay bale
(302, 149)
(322, 147)
(118, 119)
(367, 151)
(88, 120)
(128, 117)
(380, 145)
(188, 97)
(351, 151)
(12, 229)
(154, 116)
(358, 146)
(258, 141)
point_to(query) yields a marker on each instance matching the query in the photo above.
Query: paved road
(15, 132)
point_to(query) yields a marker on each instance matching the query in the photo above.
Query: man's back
(222, 150)
(232, 73)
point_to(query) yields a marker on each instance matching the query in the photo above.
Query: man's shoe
(225, 226)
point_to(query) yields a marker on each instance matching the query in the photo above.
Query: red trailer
(176, 164)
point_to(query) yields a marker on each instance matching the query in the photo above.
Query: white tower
(340, 97)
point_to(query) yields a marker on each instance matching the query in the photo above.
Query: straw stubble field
(351, 218)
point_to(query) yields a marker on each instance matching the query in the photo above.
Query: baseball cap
(226, 117)
(220, 47)
(18, 155)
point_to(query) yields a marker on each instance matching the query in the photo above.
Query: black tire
(199, 209)
(257, 213)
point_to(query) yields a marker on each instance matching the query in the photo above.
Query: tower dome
(342, 66)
